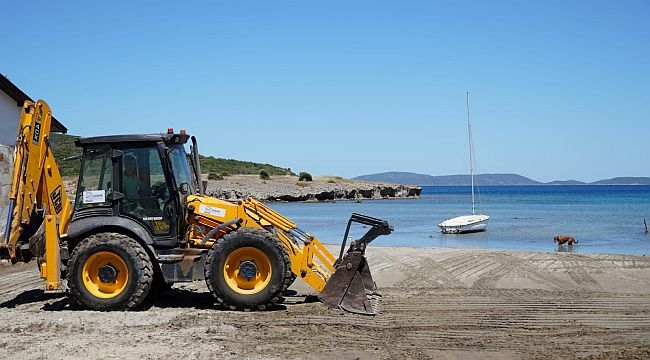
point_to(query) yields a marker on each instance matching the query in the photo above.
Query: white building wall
(9, 116)
(6, 168)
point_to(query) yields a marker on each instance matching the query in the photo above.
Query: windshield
(180, 167)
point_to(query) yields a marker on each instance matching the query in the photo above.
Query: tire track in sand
(17, 282)
(575, 268)
(514, 266)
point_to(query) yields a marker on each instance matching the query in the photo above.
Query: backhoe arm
(37, 192)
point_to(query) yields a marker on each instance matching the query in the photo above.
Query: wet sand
(436, 304)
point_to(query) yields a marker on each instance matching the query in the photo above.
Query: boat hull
(464, 224)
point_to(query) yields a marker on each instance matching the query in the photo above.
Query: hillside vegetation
(63, 147)
(212, 165)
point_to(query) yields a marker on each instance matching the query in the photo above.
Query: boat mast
(471, 156)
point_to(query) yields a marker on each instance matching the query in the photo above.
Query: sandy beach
(436, 304)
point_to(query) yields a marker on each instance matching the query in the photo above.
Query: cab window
(95, 179)
(180, 167)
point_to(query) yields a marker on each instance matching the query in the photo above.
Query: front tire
(109, 271)
(248, 270)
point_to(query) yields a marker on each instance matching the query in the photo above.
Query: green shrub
(264, 175)
(305, 176)
(213, 176)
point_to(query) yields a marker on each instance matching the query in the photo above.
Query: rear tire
(109, 271)
(248, 270)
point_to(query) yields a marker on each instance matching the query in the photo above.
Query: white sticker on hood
(211, 210)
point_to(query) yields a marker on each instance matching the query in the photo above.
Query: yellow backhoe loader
(140, 222)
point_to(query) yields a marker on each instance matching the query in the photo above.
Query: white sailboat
(466, 223)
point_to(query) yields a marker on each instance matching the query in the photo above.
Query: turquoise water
(605, 219)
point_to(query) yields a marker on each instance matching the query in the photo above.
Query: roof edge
(19, 97)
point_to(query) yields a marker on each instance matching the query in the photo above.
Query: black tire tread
(143, 266)
(276, 297)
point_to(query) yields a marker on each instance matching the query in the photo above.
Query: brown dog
(562, 239)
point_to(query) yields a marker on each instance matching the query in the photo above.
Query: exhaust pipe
(351, 287)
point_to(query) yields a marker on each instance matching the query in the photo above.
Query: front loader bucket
(351, 287)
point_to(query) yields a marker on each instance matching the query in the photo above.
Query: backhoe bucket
(351, 287)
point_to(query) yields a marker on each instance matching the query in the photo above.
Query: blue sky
(559, 89)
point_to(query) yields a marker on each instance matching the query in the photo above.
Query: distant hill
(210, 164)
(447, 180)
(63, 147)
(566, 182)
(624, 181)
(397, 177)
(409, 178)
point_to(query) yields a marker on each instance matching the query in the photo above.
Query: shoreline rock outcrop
(289, 189)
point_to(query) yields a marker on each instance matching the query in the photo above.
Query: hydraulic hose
(9, 217)
(217, 228)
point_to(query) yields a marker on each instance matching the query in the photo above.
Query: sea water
(605, 219)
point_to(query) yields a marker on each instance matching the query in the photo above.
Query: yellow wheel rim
(105, 274)
(247, 270)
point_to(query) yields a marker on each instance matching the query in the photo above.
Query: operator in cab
(131, 182)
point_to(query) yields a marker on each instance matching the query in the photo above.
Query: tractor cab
(137, 178)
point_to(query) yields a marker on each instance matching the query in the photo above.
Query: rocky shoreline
(289, 189)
